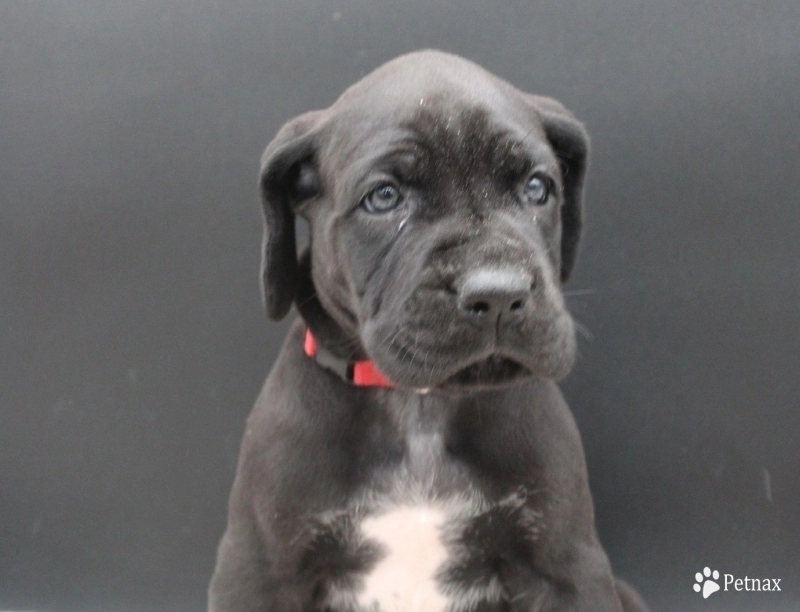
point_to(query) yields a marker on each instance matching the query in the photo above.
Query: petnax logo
(708, 581)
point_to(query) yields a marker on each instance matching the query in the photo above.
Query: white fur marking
(405, 579)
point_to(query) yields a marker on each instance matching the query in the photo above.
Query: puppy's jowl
(410, 451)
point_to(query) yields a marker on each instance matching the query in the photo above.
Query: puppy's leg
(609, 595)
(529, 591)
(631, 601)
(594, 588)
(241, 580)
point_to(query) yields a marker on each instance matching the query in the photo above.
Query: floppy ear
(288, 176)
(570, 142)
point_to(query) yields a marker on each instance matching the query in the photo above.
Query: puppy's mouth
(459, 359)
(493, 370)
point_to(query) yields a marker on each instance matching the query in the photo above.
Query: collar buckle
(359, 373)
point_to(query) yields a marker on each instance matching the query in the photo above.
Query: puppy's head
(444, 209)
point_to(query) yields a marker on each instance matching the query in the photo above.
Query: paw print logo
(705, 581)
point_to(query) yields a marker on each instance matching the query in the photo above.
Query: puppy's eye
(382, 199)
(537, 189)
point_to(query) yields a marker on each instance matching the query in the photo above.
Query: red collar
(360, 373)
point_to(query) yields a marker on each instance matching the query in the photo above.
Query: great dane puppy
(410, 451)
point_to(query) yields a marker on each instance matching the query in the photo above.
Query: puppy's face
(443, 220)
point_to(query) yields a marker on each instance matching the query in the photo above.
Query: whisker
(416, 350)
(390, 344)
(576, 292)
(583, 330)
(308, 299)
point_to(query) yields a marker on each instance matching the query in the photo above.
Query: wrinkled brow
(466, 142)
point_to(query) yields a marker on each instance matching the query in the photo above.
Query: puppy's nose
(494, 291)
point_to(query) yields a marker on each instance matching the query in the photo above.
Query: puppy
(410, 451)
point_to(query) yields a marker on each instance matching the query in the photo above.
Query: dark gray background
(132, 340)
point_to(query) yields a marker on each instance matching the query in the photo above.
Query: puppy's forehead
(423, 96)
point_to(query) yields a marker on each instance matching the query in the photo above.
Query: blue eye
(382, 199)
(537, 189)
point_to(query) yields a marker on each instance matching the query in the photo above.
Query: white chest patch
(404, 579)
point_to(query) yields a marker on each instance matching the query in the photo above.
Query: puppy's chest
(420, 538)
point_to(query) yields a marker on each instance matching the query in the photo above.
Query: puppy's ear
(288, 176)
(570, 142)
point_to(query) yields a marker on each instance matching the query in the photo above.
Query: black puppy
(410, 451)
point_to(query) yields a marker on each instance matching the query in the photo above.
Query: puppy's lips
(496, 369)
(485, 369)
(545, 351)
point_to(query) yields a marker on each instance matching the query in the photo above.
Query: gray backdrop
(132, 340)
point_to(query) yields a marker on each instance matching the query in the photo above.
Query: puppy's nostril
(516, 305)
(479, 308)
